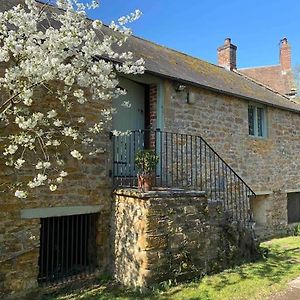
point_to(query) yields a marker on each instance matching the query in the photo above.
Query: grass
(254, 281)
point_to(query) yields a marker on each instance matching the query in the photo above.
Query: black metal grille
(67, 247)
(186, 161)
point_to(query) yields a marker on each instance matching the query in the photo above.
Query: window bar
(82, 241)
(85, 236)
(52, 252)
(72, 245)
(90, 236)
(76, 240)
(67, 245)
(62, 248)
(42, 254)
(47, 250)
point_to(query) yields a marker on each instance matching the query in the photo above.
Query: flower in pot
(146, 161)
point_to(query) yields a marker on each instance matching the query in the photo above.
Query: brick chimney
(227, 55)
(285, 55)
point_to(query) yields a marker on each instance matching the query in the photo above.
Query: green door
(132, 119)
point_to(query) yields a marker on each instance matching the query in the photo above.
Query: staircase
(185, 162)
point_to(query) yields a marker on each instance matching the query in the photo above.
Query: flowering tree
(59, 53)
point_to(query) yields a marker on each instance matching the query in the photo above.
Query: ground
(266, 279)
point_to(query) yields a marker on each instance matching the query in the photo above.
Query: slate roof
(168, 63)
(273, 77)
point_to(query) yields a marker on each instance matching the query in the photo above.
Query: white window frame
(255, 106)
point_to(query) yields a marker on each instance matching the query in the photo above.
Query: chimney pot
(227, 55)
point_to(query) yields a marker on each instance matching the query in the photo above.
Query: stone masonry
(173, 234)
(269, 165)
(88, 184)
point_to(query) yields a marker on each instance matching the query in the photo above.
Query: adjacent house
(279, 77)
(215, 129)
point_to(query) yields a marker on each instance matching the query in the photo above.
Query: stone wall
(173, 234)
(87, 184)
(268, 165)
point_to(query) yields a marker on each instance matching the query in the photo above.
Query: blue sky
(198, 27)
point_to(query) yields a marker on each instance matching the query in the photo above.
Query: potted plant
(146, 161)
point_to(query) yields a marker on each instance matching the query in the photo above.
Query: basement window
(67, 247)
(257, 120)
(293, 207)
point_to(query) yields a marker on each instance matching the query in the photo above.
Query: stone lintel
(46, 212)
(159, 193)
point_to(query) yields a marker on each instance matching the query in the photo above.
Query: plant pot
(145, 183)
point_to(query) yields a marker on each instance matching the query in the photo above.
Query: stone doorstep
(295, 283)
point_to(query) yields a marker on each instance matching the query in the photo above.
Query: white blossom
(53, 187)
(50, 72)
(76, 154)
(21, 194)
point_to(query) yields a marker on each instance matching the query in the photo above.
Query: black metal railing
(185, 161)
(67, 248)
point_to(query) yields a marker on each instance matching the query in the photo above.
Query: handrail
(186, 161)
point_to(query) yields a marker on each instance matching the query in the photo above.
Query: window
(67, 247)
(293, 207)
(257, 120)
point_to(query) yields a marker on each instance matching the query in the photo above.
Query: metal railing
(185, 161)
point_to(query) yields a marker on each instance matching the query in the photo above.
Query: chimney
(227, 55)
(285, 55)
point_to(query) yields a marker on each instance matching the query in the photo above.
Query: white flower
(56, 143)
(81, 120)
(57, 123)
(37, 181)
(97, 24)
(51, 114)
(76, 154)
(19, 163)
(63, 174)
(21, 194)
(11, 149)
(53, 187)
(59, 179)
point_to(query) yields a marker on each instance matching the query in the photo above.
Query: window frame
(264, 123)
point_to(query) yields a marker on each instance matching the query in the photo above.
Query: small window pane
(251, 120)
(259, 121)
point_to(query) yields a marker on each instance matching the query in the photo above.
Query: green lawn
(249, 281)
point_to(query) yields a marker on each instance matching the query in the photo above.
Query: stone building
(279, 77)
(220, 133)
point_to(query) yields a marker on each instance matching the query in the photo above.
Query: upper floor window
(257, 120)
